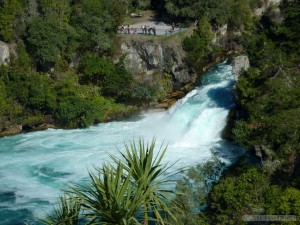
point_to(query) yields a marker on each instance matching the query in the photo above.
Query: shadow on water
(20, 215)
(7, 197)
(222, 96)
(47, 174)
(15, 217)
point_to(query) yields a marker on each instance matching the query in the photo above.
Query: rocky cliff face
(145, 57)
(160, 65)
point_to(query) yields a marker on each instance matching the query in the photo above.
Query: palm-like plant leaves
(146, 171)
(111, 197)
(116, 193)
(66, 213)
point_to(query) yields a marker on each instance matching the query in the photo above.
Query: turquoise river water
(34, 167)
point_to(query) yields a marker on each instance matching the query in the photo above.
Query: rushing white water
(34, 167)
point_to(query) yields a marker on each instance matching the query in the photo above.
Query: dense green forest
(44, 83)
(63, 72)
(267, 124)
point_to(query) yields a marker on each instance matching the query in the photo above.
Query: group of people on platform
(133, 30)
(145, 29)
(148, 29)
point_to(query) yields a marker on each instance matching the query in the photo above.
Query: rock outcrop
(159, 65)
(271, 7)
(4, 53)
(240, 63)
(145, 57)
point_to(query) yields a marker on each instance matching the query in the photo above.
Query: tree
(46, 38)
(113, 79)
(9, 11)
(199, 44)
(96, 23)
(215, 10)
(240, 15)
(237, 195)
(139, 4)
(58, 8)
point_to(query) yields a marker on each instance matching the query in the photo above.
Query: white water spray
(34, 167)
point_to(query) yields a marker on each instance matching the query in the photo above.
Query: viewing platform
(152, 28)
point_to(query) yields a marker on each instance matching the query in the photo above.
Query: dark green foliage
(113, 79)
(94, 68)
(118, 83)
(215, 10)
(96, 23)
(290, 31)
(47, 37)
(138, 4)
(73, 111)
(199, 45)
(240, 17)
(23, 60)
(32, 90)
(64, 29)
(58, 8)
(26, 94)
(269, 92)
(269, 99)
(140, 92)
(247, 191)
(283, 202)
(10, 10)
(236, 196)
(54, 35)
(146, 170)
(3, 100)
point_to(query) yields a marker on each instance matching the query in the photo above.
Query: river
(34, 167)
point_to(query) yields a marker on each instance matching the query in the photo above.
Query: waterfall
(35, 166)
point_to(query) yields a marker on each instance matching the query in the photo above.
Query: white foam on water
(36, 166)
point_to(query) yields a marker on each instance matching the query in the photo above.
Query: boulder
(240, 63)
(4, 54)
(11, 130)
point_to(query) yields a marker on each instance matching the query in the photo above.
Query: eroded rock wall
(145, 57)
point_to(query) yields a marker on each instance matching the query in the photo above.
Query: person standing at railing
(154, 30)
